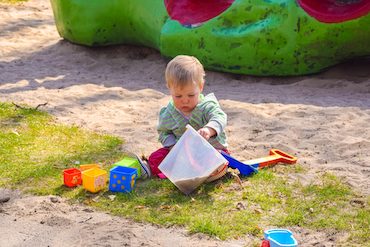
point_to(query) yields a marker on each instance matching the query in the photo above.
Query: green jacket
(172, 123)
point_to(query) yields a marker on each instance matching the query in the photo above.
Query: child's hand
(207, 132)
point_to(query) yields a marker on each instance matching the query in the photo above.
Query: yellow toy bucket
(94, 179)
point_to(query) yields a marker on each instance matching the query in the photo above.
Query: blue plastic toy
(252, 166)
(244, 169)
(122, 179)
(280, 238)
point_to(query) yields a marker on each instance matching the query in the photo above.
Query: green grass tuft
(13, 1)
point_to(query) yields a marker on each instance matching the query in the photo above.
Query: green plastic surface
(256, 37)
(130, 162)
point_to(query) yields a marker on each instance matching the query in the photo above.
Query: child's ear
(201, 86)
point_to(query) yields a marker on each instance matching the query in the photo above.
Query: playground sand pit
(322, 119)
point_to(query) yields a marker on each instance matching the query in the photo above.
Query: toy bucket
(280, 238)
(130, 162)
(122, 179)
(94, 179)
(88, 166)
(72, 177)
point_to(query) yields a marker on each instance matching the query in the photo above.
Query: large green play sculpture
(255, 37)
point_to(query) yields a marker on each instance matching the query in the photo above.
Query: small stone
(258, 211)
(240, 206)
(88, 210)
(4, 199)
(358, 202)
(96, 198)
(111, 197)
(54, 199)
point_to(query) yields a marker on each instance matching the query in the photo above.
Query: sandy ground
(323, 119)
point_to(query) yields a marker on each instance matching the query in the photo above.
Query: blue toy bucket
(122, 179)
(280, 238)
(244, 169)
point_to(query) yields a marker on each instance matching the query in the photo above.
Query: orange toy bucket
(88, 166)
(72, 177)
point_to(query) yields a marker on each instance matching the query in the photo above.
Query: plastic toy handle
(284, 157)
(275, 156)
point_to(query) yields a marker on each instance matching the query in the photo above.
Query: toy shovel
(251, 166)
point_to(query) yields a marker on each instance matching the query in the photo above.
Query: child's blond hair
(183, 70)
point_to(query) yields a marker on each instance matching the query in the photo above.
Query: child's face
(186, 98)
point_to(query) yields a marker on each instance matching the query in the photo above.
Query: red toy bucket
(72, 177)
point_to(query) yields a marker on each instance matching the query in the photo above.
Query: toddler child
(185, 81)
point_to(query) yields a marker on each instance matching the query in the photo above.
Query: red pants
(156, 158)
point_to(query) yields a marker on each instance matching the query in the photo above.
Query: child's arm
(166, 137)
(217, 120)
(207, 132)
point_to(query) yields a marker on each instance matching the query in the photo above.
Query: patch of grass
(225, 210)
(34, 150)
(13, 1)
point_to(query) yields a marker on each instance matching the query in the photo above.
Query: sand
(323, 119)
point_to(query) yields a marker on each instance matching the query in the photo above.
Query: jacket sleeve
(216, 118)
(166, 137)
